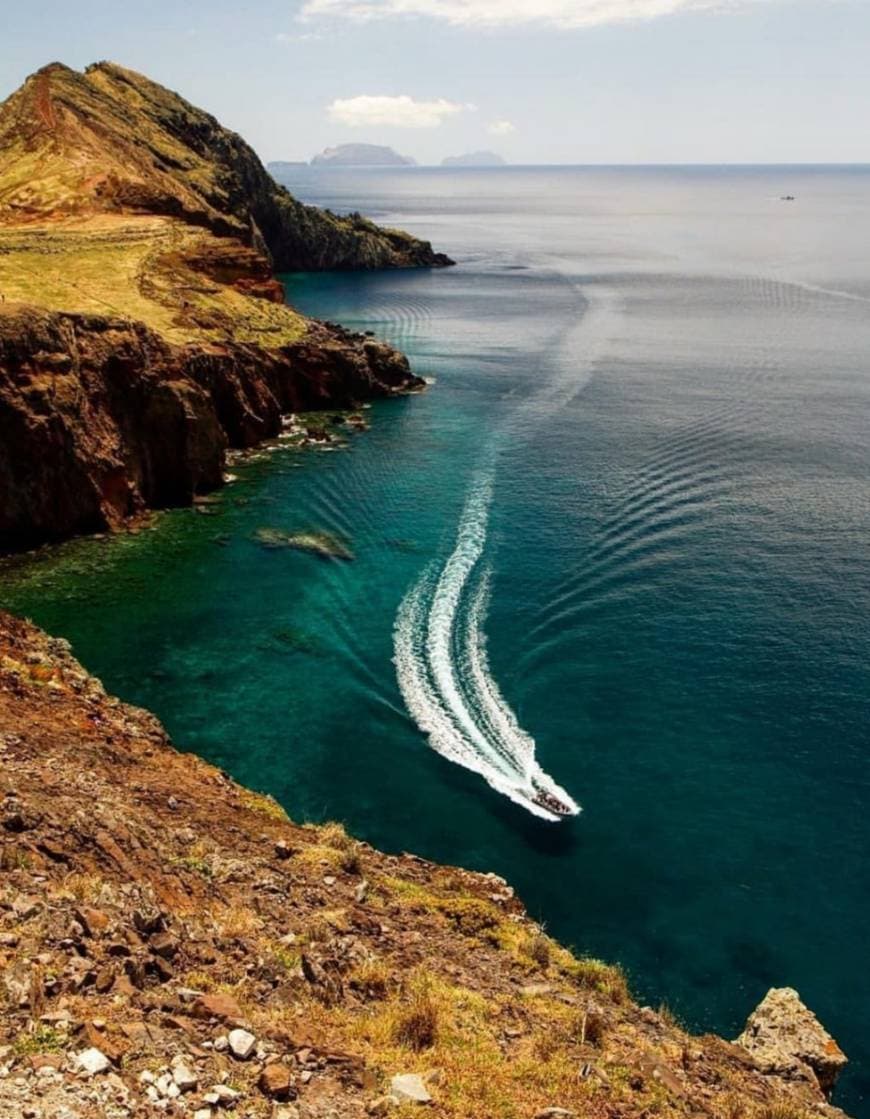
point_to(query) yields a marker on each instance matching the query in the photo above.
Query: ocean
(614, 559)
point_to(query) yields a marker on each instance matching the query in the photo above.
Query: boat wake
(445, 678)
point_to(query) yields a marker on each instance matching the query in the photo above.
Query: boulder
(787, 1040)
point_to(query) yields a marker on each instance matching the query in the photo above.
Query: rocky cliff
(142, 332)
(170, 943)
(102, 418)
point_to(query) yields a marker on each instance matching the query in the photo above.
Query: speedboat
(551, 803)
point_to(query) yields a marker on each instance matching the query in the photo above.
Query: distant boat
(786, 198)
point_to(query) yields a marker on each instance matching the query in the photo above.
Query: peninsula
(142, 331)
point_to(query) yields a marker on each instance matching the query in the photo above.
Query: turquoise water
(619, 550)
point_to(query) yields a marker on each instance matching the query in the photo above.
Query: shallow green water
(650, 421)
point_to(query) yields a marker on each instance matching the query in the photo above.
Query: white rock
(220, 1045)
(162, 1083)
(202, 1113)
(92, 1061)
(241, 1043)
(183, 1076)
(221, 1094)
(409, 1087)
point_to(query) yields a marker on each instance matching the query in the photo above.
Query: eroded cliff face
(170, 943)
(102, 418)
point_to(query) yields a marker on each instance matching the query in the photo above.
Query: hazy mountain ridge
(362, 155)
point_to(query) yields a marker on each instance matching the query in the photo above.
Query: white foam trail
(444, 673)
(440, 645)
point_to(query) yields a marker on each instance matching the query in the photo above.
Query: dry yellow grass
(133, 268)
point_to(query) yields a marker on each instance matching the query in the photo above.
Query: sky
(538, 81)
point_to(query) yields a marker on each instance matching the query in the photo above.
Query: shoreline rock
(786, 1039)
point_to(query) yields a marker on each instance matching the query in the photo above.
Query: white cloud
(399, 112)
(507, 13)
(501, 128)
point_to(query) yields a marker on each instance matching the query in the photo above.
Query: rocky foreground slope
(142, 332)
(171, 944)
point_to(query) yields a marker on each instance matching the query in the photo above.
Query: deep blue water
(629, 525)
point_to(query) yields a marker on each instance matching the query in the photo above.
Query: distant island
(361, 155)
(474, 159)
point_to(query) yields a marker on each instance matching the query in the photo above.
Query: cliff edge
(172, 944)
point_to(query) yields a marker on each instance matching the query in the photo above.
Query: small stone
(361, 892)
(556, 1113)
(202, 1113)
(221, 1045)
(409, 1087)
(172, 803)
(283, 850)
(381, 1105)
(183, 1076)
(105, 980)
(25, 907)
(276, 1082)
(221, 1095)
(216, 1005)
(92, 1061)
(164, 944)
(93, 921)
(242, 1043)
(329, 880)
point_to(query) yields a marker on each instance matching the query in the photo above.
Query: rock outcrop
(170, 943)
(787, 1040)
